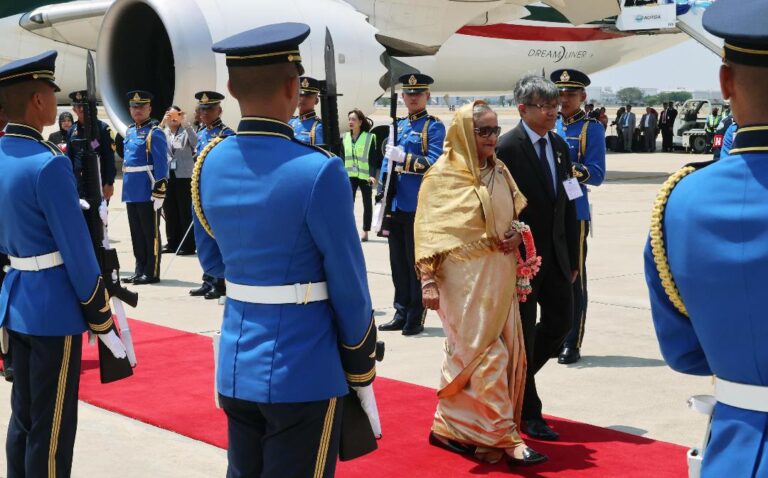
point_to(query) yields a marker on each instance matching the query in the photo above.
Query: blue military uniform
(213, 287)
(421, 137)
(706, 265)
(274, 215)
(307, 127)
(145, 173)
(586, 141)
(53, 291)
(76, 147)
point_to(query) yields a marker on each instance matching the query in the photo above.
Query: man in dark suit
(667, 123)
(539, 161)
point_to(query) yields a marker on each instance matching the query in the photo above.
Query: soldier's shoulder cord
(195, 183)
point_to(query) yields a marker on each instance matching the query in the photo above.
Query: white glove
(395, 153)
(103, 213)
(113, 343)
(157, 203)
(84, 205)
(368, 401)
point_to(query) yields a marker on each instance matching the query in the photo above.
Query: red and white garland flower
(528, 268)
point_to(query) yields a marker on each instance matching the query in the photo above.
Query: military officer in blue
(274, 217)
(145, 179)
(209, 106)
(53, 291)
(76, 147)
(420, 139)
(586, 140)
(706, 262)
(307, 127)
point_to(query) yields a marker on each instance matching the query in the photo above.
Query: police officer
(420, 139)
(298, 327)
(307, 127)
(209, 106)
(76, 147)
(706, 262)
(586, 140)
(54, 290)
(145, 173)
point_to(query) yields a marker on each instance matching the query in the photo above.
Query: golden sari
(462, 215)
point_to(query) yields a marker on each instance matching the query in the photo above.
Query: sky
(693, 67)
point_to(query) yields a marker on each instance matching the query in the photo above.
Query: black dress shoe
(145, 279)
(201, 291)
(530, 457)
(569, 355)
(415, 330)
(450, 445)
(213, 294)
(168, 249)
(185, 253)
(395, 324)
(537, 428)
(129, 280)
(8, 374)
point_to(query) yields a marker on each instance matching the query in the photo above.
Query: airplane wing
(420, 28)
(74, 23)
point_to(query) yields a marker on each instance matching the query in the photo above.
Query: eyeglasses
(545, 108)
(486, 131)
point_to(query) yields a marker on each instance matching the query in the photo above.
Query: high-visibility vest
(712, 122)
(356, 155)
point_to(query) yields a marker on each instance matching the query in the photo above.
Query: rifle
(96, 218)
(329, 107)
(383, 211)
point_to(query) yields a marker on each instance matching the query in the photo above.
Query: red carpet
(173, 389)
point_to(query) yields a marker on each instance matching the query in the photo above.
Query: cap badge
(412, 80)
(565, 76)
(78, 96)
(305, 83)
(136, 97)
(204, 98)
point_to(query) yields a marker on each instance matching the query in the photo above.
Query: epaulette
(658, 248)
(434, 118)
(52, 146)
(195, 184)
(314, 147)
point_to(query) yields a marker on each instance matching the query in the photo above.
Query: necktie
(545, 164)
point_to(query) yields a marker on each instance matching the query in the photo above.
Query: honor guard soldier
(586, 140)
(209, 106)
(420, 139)
(706, 262)
(53, 291)
(307, 127)
(76, 147)
(274, 217)
(145, 173)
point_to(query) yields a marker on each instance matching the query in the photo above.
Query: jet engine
(164, 46)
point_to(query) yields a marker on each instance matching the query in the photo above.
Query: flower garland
(528, 268)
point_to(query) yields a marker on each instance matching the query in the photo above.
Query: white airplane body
(469, 47)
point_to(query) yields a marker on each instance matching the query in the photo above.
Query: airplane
(470, 47)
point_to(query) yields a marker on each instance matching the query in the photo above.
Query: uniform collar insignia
(215, 124)
(412, 80)
(305, 83)
(417, 116)
(578, 116)
(307, 116)
(565, 76)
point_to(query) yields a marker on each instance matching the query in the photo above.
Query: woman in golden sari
(465, 243)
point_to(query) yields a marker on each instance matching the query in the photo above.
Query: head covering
(208, 99)
(415, 82)
(79, 97)
(267, 45)
(741, 23)
(66, 115)
(39, 67)
(139, 97)
(309, 86)
(454, 216)
(567, 80)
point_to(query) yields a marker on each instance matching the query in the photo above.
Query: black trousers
(41, 433)
(402, 260)
(666, 139)
(178, 213)
(282, 440)
(367, 193)
(580, 296)
(553, 292)
(144, 223)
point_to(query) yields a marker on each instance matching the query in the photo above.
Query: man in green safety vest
(711, 125)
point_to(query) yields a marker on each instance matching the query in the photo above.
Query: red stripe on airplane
(505, 31)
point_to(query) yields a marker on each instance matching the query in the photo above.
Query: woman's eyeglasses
(487, 131)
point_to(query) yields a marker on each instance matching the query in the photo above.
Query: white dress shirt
(534, 137)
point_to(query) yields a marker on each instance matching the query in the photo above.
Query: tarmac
(621, 382)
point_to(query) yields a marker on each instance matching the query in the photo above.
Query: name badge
(572, 189)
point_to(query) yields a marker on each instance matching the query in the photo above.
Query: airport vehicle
(688, 130)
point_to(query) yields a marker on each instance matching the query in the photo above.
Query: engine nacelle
(164, 46)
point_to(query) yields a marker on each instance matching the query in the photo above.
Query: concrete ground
(621, 382)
